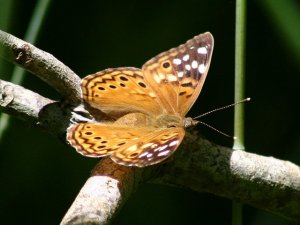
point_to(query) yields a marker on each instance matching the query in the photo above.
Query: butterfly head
(189, 122)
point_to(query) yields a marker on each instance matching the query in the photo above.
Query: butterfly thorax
(167, 121)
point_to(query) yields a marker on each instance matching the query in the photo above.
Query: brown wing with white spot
(130, 146)
(177, 75)
(120, 90)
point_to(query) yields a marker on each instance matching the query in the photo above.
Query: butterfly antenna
(221, 108)
(215, 129)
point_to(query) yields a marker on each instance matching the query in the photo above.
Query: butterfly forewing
(177, 76)
(118, 91)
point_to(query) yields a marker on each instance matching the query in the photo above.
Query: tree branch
(20, 102)
(264, 182)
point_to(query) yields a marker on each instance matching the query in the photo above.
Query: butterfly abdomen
(135, 120)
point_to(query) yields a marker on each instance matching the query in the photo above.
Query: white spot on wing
(202, 50)
(187, 67)
(180, 74)
(163, 153)
(157, 149)
(171, 77)
(177, 61)
(163, 147)
(194, 64)
(201, 68)
(149, 155)
(144, 154)
(173, 143)
(186, 57)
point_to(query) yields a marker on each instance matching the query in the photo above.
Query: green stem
(31, 35)
(240, 36)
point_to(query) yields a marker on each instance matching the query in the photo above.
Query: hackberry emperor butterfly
(150, 105)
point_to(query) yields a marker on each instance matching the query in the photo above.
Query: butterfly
(148, 105)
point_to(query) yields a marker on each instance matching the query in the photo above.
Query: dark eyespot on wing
(123, 78)
(143, 85)
(189, 84)
(166, 65)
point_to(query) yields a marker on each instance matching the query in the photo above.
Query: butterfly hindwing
(151, 149)
(130, 146)
(98, 140)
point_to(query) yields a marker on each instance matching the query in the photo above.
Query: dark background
(40, 176)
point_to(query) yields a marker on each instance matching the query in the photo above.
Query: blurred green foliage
(40, 176)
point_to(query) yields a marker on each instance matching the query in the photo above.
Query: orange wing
(119, 91)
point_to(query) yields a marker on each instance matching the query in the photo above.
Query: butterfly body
(144, 120)
(149, 105)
